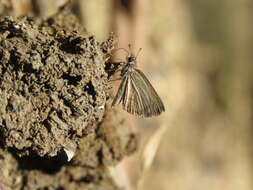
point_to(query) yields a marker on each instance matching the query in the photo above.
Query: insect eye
(131, 58)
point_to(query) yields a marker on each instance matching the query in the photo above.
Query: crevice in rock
(72, 80)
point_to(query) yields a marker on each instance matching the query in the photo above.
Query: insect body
(135, 92)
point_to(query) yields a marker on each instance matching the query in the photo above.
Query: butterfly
(135, 93)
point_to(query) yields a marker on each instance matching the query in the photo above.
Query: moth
(135, 93)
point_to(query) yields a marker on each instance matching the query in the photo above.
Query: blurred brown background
(198, 55)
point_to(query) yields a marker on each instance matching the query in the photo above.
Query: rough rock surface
(53, 86)
(53, 95)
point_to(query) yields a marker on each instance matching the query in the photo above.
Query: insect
(135, 93)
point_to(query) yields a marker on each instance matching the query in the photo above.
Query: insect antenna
(138, 52)
(130, 49)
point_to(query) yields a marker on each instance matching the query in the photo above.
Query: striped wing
(121, 92)
(137, 96)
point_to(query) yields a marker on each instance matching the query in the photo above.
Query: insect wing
(128, 95)
(121, 92)
(152, 103)
(132, 101)
(140, 97)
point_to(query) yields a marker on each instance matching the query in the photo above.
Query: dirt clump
(52, 86)
(53, 95)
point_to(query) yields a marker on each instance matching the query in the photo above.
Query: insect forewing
(121, 92)
(151, 103)
(138, 96)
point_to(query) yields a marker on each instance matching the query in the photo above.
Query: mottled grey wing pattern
(137, 95)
